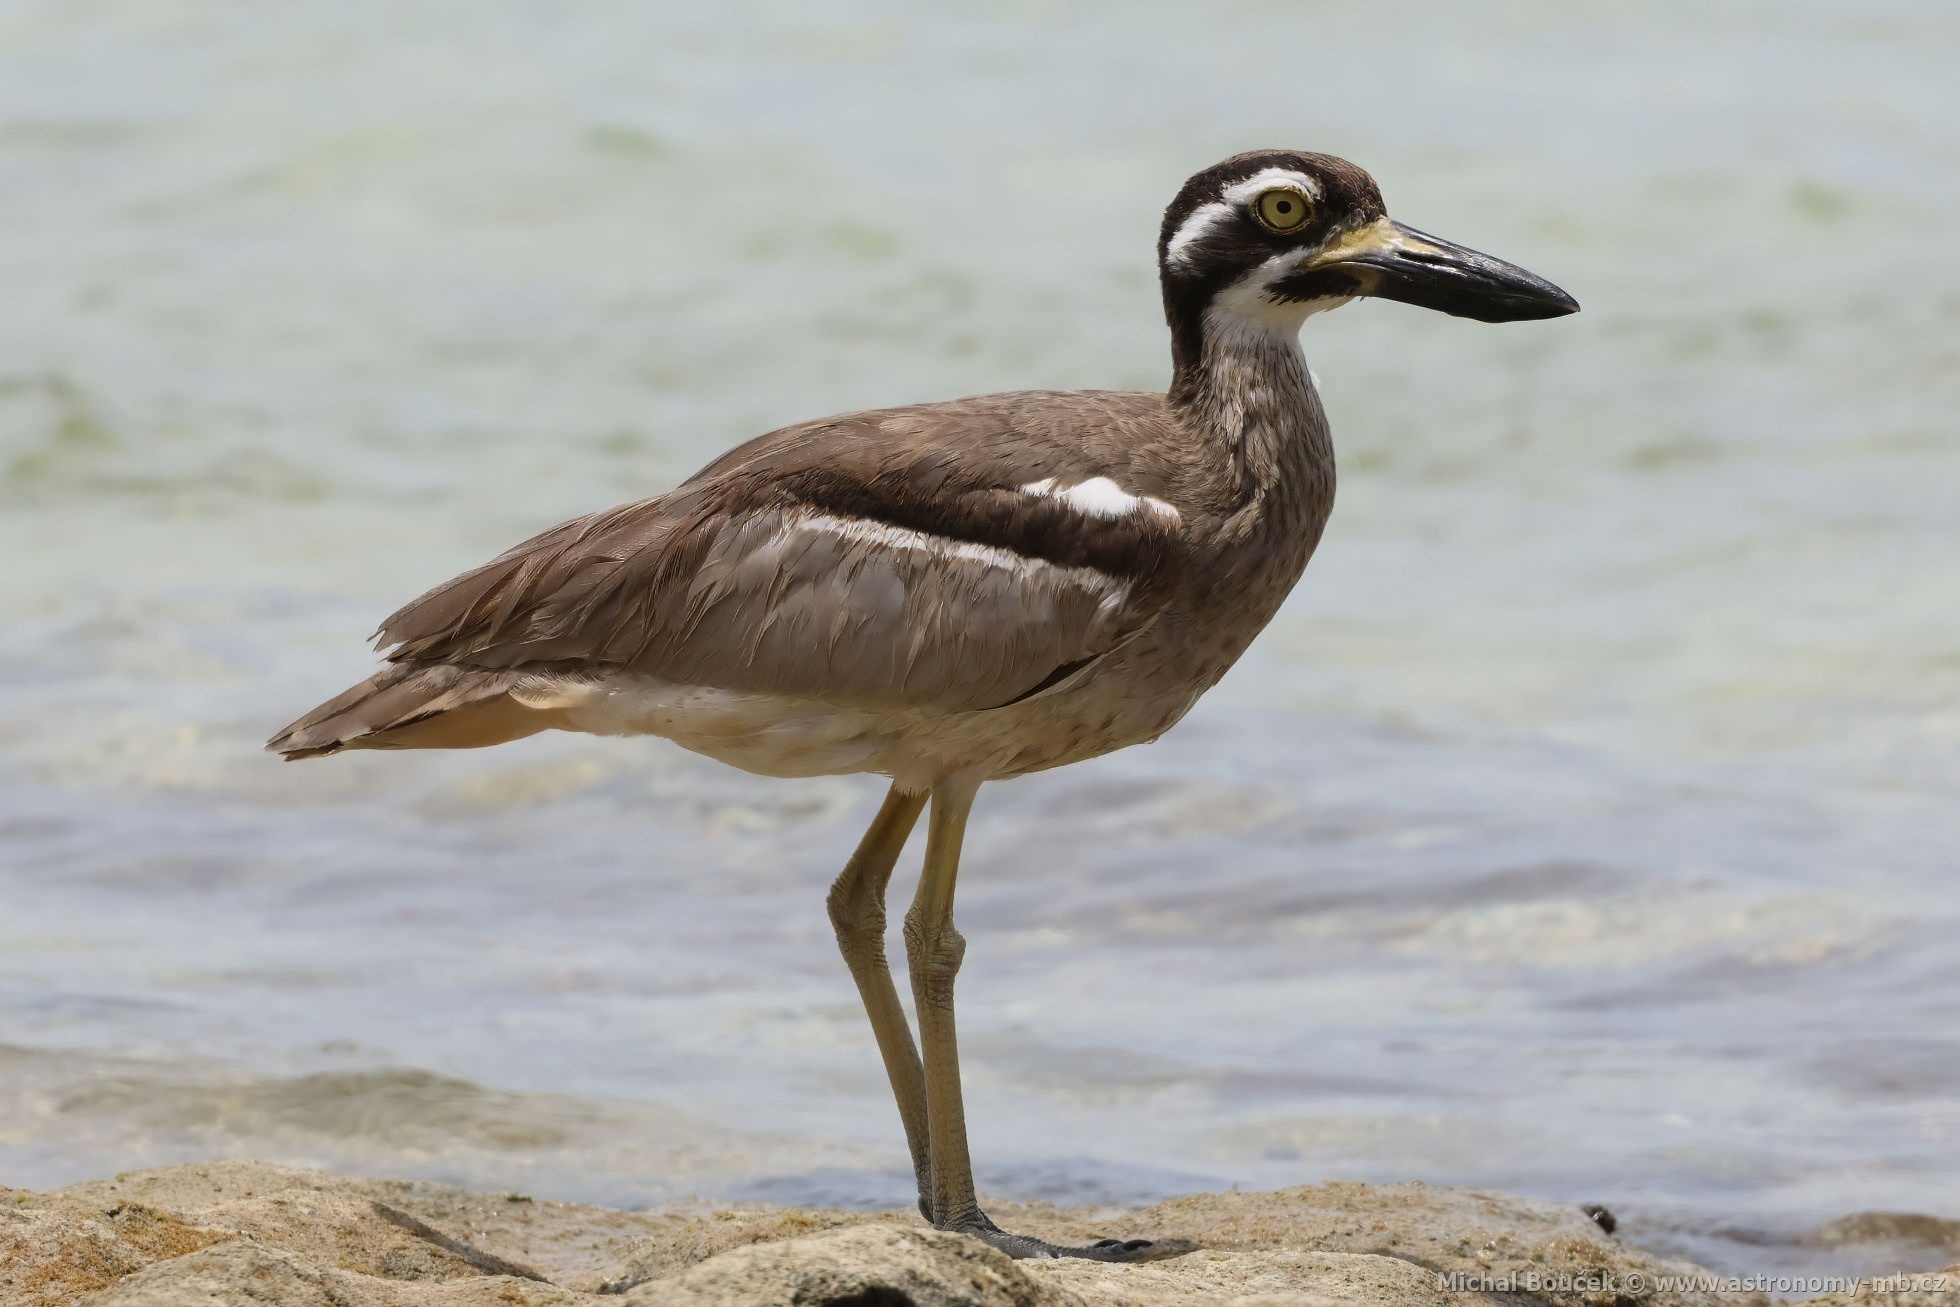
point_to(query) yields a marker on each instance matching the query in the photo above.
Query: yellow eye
(1281, 210)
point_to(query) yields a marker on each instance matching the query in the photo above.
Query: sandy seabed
(221, 1233)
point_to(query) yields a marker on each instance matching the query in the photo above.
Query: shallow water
(1584, 826)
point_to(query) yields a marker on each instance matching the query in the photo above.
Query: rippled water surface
(1585, 825)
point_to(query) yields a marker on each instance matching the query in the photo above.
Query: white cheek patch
(1251, 295)
(1251, 303)
(1100, 497)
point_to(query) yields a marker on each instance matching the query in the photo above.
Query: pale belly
(1131, 696)
(775, 735)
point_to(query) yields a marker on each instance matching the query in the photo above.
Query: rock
(870, 1265)
(247, 1271)
(52, 1252)
(227, 1234)
(1927, 1289)
(1280, 1278)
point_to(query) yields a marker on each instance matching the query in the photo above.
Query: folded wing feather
(837, 562)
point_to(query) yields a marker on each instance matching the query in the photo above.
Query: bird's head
(1275, 235)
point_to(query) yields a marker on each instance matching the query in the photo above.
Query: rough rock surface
(226, 1233)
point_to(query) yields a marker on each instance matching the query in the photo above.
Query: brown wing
(884, 559)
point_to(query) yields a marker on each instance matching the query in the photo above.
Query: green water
(1585, 825)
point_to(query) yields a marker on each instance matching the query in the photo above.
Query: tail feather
(397, 708)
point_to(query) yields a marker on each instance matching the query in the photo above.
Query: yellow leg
(933, 949)
(857, 912)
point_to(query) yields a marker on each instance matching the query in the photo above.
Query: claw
(1021, 1246)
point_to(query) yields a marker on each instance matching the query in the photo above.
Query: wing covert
(865, 571)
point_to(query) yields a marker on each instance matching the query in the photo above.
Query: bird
(950, 593)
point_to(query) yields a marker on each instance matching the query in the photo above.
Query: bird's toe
(1024, 1246)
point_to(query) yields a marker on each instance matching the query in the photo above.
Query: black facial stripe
(1314, 284)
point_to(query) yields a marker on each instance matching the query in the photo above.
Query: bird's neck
(1245, 386)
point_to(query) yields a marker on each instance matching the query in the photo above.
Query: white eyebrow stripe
(1206, 216)
(1265, 178)
(1100, 497)
(1202, 219)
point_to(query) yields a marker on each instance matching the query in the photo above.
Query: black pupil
(1284, 206)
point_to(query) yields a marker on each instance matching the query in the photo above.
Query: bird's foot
(1020, 1246)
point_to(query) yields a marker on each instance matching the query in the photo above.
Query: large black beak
(1393, 262)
